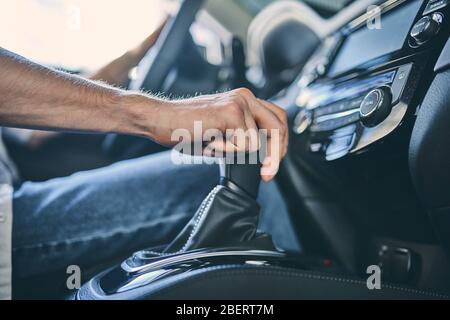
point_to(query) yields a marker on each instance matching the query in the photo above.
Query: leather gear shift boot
(226, 218)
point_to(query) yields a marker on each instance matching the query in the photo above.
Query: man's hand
(237, 114)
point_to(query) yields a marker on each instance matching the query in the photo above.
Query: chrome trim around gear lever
(167, 260)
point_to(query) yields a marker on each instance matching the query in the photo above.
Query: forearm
(32, 96)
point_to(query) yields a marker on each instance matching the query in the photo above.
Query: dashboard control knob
(376, 106)
(426, 28)
(321, 69)
(302, 121)
(322, 65)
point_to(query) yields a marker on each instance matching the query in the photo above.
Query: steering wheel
(157, 64)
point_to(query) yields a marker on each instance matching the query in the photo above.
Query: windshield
(325, 8)
(83, 35)
(76, 34)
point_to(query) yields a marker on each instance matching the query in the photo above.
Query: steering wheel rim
(160, 59)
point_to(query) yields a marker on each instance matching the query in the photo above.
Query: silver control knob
(426, 28)
(376, 106)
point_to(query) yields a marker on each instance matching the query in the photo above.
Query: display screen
(366, 43)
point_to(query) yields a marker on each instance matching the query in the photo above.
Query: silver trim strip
(168, 260)
(335, 115)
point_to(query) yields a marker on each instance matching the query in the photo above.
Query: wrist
(144, 115)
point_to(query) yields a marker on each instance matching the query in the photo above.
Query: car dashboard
(350, 175)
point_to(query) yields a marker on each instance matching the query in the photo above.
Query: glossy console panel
(329, 97)
(148, 268)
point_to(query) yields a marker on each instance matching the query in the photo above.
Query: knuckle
(235, 110)
(244, 92)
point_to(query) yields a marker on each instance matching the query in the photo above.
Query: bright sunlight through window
(78, 34)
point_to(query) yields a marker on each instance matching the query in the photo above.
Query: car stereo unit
(359, 85)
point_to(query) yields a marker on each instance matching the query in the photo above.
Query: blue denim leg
(95, 216)
(275, 218)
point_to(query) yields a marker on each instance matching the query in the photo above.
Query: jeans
(94, 216)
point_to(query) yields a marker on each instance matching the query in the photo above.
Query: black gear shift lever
(229, 214)
(244, 176)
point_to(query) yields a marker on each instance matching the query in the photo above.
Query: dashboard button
(321, 69)
(340, 144)
(337, 107)
(335, 123)
(434, 5)
(351, 119)
(330, 109)
(376, 106)
(356, 103)
(399, 83)
(302, 121)
(316, 147)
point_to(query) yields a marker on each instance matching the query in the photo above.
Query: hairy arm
(35, 97)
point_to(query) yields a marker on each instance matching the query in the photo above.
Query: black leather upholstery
(285, 51)
(288, 47)
(429, 154)
(236, 282)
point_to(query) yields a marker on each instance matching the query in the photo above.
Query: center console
(221, 234)
(360, 85)
(220, 255)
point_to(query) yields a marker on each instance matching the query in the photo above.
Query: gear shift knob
(241, 172)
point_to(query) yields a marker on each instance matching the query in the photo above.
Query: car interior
(367, 176)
